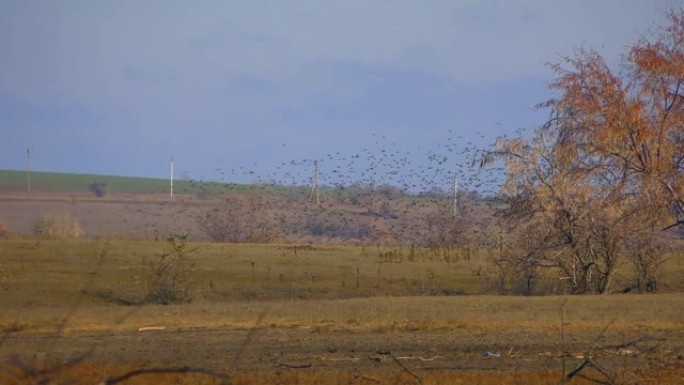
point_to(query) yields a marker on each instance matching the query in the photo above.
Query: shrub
(240, 219)
(99, 188)
(5, 231)
(168, 277)
(51, 227)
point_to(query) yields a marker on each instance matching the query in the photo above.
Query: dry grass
(56, 273)
(45, 272)
(471, 314)
(51, 227)
(88, 374)
(331, 288)
(89, 288)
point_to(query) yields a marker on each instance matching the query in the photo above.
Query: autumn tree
(601, 179)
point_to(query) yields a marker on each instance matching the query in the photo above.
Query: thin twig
(602, 370)
(369, 379)
(293, 366)
(140, 372)
(588, 360)
(61, 326)
(635, 343)
(679, 222)
(248, 339)
(562, 330)
(574, 372)
(407, 370)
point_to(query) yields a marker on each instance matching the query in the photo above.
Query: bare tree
(607, 169)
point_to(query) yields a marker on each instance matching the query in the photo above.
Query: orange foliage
(631, 123)
(606, 170)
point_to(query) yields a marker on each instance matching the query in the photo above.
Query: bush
(5, 231)
(99, 188)
(168, 277)
(240, 219)
(50, 227)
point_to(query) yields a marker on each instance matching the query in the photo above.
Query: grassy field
(54, 182)
(316, 314)
(16, 181)
(229, 272)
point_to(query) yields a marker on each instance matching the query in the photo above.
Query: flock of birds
(415, 171)
(373, 176)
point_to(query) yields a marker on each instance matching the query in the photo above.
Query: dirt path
(271, 348)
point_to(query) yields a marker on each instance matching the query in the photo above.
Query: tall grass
(57, 227)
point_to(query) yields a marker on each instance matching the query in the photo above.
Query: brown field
(137, 216)
(270, 321)
(314, 314)
(354, 218)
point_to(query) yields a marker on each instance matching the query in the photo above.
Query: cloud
(77, 49)
(227, 81)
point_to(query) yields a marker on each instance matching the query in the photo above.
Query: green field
(16, 181)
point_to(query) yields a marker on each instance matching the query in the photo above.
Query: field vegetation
(354, 305)
(576, 274)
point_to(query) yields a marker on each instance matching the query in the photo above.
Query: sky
(378, 91)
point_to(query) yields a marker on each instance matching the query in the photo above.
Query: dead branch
(589, 361)
(574, 372)
(679, 222)
(369, 379)
(406, 369)
(248, 339)
(293, 366)
(140, 372)
(637, 344)
(562, 332)
(641, 345)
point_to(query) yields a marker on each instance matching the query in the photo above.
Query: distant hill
(55, 182)
(142, 207)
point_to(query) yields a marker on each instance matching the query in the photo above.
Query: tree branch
(140, 372)
(679, 222)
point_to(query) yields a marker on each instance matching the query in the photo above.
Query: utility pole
(456, 197)
(315, 187)
(171, 176)
(28, 169)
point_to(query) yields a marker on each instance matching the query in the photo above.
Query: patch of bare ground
(139, 216)
(289, 217)
(393, 340)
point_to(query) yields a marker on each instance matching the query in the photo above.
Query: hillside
(53, 182)
(143, 208)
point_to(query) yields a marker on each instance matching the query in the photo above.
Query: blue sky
(381, 90)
